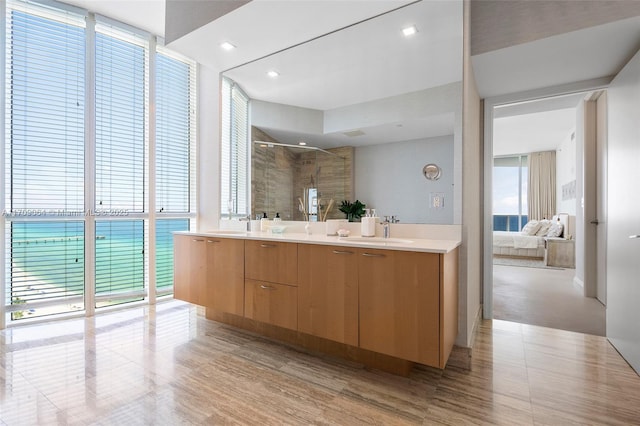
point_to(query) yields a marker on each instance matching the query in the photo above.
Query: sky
(505, 191)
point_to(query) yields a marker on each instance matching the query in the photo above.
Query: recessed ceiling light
(227, 46)
(302, 143)
(409, 31)
(273, 74)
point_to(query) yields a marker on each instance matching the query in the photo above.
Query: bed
(531, 241)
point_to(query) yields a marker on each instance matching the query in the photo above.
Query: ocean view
(48, 261)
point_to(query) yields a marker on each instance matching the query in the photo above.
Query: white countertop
(402, 244)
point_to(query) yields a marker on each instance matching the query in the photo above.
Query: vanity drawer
(271, 303)
(271, 261)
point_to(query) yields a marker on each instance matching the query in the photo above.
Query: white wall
(389, 178)
(291, 118)
(208, 148)
(566, 174)
(623, 220)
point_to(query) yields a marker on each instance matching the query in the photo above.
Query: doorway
(526, 286)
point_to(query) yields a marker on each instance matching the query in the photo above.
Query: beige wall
(586, 197)
(470, 268)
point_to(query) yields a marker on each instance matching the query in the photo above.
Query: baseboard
(578, 281)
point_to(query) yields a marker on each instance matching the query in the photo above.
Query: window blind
(45, 112)
(120, 120)
(44, 160)
(120, 260)
(234, 153)
(225, 148)
(175, 132)
(47, 267)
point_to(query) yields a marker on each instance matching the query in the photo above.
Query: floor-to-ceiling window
(234, 175)
(95, 182)
(510, 193)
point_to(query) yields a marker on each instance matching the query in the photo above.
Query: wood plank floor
(167, 365)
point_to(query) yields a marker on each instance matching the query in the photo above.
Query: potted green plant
(354, 211)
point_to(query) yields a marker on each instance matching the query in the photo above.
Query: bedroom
(538, 243)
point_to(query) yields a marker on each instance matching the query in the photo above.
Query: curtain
(542, 185)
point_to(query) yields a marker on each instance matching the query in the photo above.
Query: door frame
(489, 105)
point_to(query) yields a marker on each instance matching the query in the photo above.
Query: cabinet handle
(342, 252)
(267, 245)
(198, 241)
(213, 241)
(373, 255)
(634, 236)
(266, 287)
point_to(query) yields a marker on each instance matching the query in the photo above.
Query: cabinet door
(271, 303)
(271, 261)
(328, 292)
(225, 275)
(399, 304)
(189, 270)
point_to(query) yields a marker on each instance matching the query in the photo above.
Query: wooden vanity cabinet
(328, 292)
(399, 302)
(271, 279)
(190, 269)
(225, 275)
(209, 271)
(403, 304)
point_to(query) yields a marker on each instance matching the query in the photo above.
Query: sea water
(47, 259)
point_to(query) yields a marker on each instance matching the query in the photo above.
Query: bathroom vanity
(386, 304)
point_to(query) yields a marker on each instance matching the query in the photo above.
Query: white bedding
(516, 240)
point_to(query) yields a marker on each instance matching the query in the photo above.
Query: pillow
(544, 227)
(531, 228)
(555, 230)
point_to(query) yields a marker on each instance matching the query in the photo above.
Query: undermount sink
(378, 240)
(226, 231)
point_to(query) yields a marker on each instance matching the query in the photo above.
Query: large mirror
(385, 104)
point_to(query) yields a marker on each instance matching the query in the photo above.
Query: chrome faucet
(248, 220)
(386, 228)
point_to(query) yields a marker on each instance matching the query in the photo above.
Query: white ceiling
(581, 55)
(368, 65)
(355, 53)
(540, 125)
(368, 61)
(262, 27)
(585, 54)
(525, 133)
(147, 15)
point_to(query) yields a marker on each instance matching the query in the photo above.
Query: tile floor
(167, 365)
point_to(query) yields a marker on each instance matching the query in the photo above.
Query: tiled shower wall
(279, 176)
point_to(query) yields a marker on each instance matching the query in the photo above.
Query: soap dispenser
(368, 225)
(264, 222)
